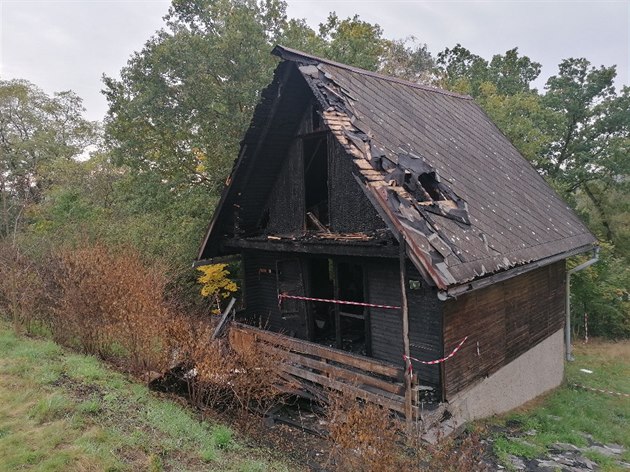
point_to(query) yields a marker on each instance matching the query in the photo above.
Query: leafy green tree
(352, 41)
(35, 129)
(601, 293)
(503, 88)
(183, 103)
(407, 59)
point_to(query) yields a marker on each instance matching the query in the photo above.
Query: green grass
(61, 411)
(569, 414)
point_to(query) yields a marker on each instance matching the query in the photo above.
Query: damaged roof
(438, 171)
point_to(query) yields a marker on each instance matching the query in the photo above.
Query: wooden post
(338, 337)
(405, 331)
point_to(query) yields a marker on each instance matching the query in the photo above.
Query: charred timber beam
(217, 260)
(337, 249)
(425, 267)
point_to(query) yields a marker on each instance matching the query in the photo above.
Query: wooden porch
(316, 368)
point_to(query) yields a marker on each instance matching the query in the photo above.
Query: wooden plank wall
(383, 280)
(425, 329)
(502, 322)
(385, 325)
(261, 296)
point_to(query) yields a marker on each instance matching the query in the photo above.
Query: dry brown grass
(364, 437)
(614, 350)
(109, 302)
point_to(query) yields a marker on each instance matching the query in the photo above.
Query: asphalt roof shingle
(515, 217)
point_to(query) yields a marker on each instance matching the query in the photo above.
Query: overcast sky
(64, 44)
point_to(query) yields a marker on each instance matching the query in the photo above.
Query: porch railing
(315, 368)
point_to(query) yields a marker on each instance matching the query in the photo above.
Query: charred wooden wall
(261, 292)
(425, 327)
(385, 325)
(350, 209)
(260, 289)
(502, 322)
(425, 320)
(286, 202)
(383, 288)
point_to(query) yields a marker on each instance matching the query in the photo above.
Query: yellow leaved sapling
(216, 284)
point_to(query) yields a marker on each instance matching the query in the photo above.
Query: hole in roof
(430, 185)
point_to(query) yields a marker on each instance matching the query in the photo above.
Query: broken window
(315, 152)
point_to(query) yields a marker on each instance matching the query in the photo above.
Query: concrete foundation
(537, 371)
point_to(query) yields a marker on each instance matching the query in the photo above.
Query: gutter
(567, 324)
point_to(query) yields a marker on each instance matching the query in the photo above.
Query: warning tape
(609, 392)
(408, 359)
(282, 296)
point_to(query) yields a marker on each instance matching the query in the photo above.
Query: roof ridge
(290, 54)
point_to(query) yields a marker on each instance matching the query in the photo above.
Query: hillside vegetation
(65, 411)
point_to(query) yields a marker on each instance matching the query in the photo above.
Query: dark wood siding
(502, 322)
(425, 328)
(261, 296)
(350, 209)
(385, 325)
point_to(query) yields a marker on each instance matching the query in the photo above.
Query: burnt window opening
(315, 152)
(322, 286)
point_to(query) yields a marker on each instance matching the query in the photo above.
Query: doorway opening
(334, 324)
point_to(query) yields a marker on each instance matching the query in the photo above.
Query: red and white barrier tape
(408, 359)
(609, 392)
(282, 296)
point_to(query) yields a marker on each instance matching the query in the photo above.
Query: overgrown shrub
(111, 301)
(221, 374)
(366, 437)
(23, 291)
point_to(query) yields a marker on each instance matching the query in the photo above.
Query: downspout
(567, 324)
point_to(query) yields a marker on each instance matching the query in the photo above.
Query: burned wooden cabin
(381, 224)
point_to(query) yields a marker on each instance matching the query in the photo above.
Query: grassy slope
(569, 413)
(64, 411)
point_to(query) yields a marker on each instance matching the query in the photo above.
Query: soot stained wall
(350, 209)
(286, 202)
(385, 324)
(261, 294)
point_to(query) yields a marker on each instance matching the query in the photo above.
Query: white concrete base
(537, 371)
